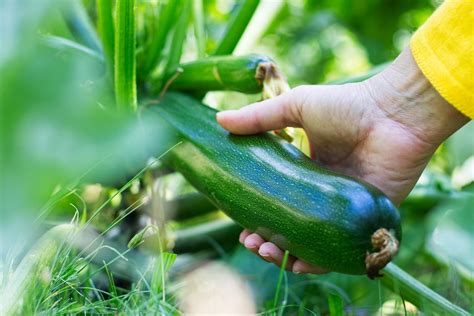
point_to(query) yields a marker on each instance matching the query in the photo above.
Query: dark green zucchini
(268, 186)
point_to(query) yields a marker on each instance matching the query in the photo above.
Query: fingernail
(264, 254)
(296, 271)
(250, 246)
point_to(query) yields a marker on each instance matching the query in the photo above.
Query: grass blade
(155, 50)
(105, 26)
(179, 37)
(198, 19)
(124, 61)
(237, 27)
(80, 25)
(280, 279)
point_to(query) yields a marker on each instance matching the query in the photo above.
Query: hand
(383, 130)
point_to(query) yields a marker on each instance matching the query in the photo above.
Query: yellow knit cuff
(442, 48)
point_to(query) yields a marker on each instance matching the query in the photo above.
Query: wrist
(405, 95)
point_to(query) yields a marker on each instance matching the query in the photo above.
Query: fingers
(253, 242)
(271, 253)
(275, 113)
(244, 235)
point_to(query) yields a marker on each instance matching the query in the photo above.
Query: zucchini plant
(262, 182)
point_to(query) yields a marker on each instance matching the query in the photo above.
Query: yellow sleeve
(443, 48)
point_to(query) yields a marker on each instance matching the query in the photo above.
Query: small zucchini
(236, 73)
(270, 187)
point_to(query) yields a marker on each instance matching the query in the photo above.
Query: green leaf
(80, 25)
(155, 49)
(66, 45)
(164, 262)
(179, 37)
(124, 61)
(237, 27)
(105, 26)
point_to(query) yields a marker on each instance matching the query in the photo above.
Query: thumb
(272, 114)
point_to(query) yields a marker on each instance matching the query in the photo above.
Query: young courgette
(236, 73)
(270, 187)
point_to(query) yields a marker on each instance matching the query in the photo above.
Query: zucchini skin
(268, 186)
(236, 73)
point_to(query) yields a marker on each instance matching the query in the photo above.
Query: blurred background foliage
(59, 137)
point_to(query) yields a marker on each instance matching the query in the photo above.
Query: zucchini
(270, 187)
(236, 73)
(188, 206)
(215, 234)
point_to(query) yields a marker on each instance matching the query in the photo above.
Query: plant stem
(237, 27)
(105, 26)
(417, 293)
(198, 19)
(124, 61)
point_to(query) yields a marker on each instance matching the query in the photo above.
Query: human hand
(383, 130)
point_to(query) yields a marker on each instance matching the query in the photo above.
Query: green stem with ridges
(124, 61)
